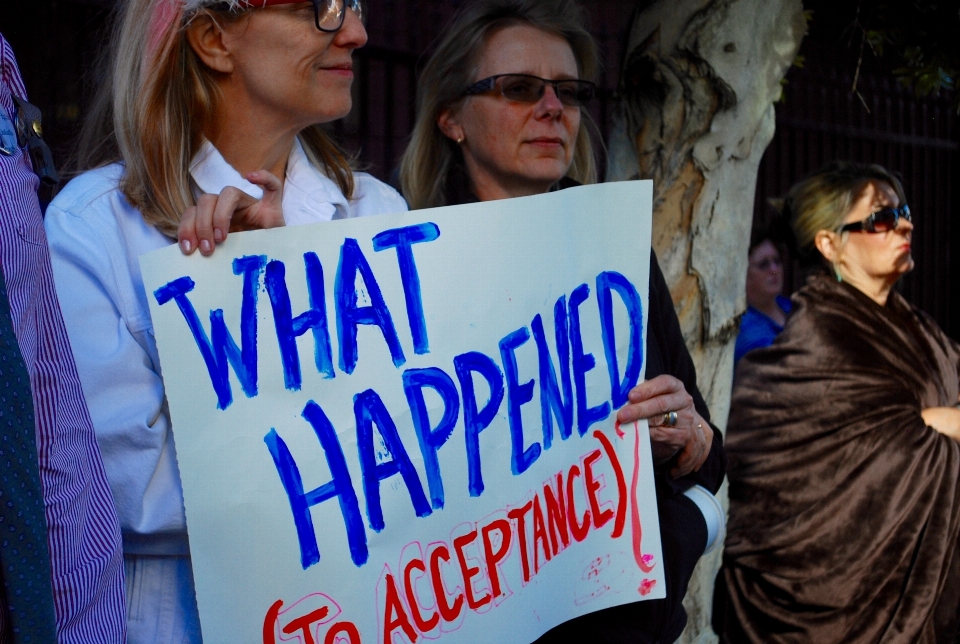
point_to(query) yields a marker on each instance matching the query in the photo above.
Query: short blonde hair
(822, 200)
(430, 156)
(157, 101)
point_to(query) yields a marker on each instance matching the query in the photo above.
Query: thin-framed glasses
(881, 221)
(328, 14)
(525, 88)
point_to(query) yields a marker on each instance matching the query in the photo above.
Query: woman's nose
(352, 34)
(549, 104)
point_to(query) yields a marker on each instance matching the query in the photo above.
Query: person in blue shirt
(767, 309)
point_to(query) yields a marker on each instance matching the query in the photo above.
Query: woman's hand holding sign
(208, 223)
(688, 434)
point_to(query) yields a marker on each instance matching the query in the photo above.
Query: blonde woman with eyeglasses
(843, 441)
(208, 124)
(501, 114)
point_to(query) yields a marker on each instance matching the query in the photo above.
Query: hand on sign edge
(691, 437)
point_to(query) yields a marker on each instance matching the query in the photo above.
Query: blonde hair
(431, 157)
(822, 200)
(158, 99)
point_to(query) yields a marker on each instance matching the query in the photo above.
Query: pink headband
(164, 19)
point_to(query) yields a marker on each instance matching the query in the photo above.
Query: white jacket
(95, 239)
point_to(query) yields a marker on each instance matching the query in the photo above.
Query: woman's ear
(828, 243)
(206, 40)
(449, 123)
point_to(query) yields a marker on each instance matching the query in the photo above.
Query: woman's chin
(331, 108)
(546, 170)
(905, 263)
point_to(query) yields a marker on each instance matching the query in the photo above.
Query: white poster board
(402, 428)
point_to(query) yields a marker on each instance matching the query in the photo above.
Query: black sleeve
(667, 354)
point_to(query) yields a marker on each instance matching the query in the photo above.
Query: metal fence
(821, 120)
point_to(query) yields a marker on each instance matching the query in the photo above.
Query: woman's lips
(547, 142)
(344, 69)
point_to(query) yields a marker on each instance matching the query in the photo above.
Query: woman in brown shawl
(844, 462)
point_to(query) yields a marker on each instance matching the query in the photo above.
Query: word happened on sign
(222, 352)
(417, 426)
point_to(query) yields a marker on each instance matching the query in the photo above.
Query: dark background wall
(819, 119)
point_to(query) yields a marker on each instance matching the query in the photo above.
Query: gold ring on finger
(669, 419)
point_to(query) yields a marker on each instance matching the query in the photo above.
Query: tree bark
(695, 114)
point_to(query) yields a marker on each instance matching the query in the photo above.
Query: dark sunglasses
(328, 14)
(524, 88)
(881, 221)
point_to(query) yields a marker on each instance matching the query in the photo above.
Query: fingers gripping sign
(688, 435)
(215, 216)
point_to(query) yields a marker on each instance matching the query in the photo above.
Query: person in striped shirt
(85, 579)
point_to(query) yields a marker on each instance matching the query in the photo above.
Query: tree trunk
(699, 81)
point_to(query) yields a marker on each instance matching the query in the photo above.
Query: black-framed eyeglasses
(526, 88)
(881, 221)
(328, 14)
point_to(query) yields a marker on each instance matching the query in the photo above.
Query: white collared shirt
(96, 238)
(309, 196)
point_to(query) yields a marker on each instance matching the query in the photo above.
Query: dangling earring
(836, 271)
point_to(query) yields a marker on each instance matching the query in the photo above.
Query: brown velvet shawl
(844, 505)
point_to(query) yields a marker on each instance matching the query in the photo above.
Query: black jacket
(683, 531)
(682, 528)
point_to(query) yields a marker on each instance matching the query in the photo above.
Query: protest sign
(402, 428)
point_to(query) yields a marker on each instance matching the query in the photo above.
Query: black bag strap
(30, 136)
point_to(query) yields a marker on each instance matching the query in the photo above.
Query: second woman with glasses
(501, 114)
(210, 123)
